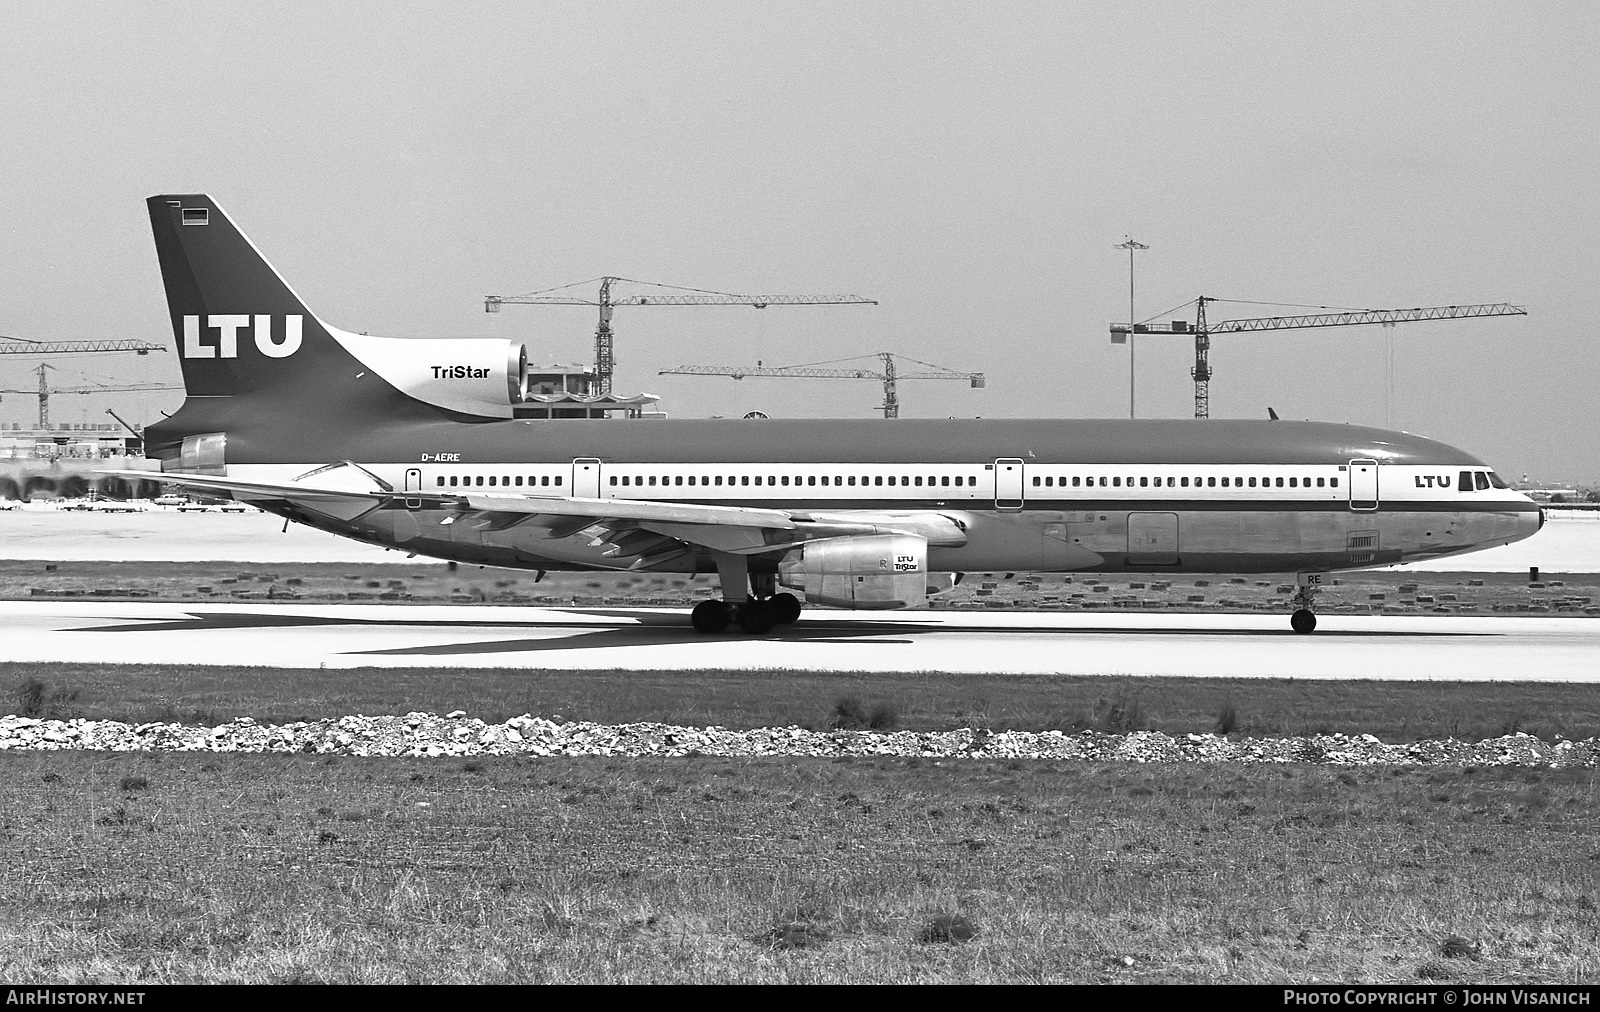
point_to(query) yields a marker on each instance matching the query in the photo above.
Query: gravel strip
(430, 735)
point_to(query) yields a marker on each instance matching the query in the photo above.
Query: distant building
(71, 441)
(1539, 491)
(567, 391)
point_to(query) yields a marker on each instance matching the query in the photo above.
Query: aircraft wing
(348, 491)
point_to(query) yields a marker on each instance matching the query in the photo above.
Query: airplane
(420, 445)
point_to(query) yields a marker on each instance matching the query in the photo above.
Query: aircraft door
(586, 477)
(413, 484)
(1363, 484)
(1008, 483)
(1152, 539)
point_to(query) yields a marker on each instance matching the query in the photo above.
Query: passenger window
(1280, 482)
(719, 479)
(1252, 483)
(852, 479)
(491, 481)
(1334, 482)
(1319, 482)
(613, 479)
(1117, 482)
(1483, 480)
(1212, 482)
(1036, 482)
(441, 481)
(905, 480)
(546, 480)
(1291, 482)
(1144, 482)
(943, 481)
(878, 480)
(811, 481)
(744, 480)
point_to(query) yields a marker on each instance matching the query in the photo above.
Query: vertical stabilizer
(240, 329)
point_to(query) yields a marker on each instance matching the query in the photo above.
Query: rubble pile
(456, 734)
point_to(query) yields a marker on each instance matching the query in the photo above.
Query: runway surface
(454, 637)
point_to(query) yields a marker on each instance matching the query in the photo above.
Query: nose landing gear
(1304, 619)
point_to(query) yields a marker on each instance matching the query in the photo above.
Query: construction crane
(889, 376)
(604, 361)
(45, 391)
(1202, 331)
(23, 346)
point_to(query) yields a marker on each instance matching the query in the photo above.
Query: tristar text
(459, 372)
(200, 343)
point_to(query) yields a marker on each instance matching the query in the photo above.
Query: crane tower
(604, 359)
(1202, 331)
(889, 376)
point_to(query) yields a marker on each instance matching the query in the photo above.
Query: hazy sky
(970, 166)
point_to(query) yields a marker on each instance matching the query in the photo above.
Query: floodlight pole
(1130, 246)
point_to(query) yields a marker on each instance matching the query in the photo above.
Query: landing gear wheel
(786, 607)
(1303, 621)
(710, 616)
(757, 617)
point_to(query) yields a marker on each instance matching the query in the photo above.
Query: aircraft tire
(787, 608)
(710, 616)
(1303, 621)
(757, 617)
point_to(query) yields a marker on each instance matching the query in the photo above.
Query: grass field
(155, 868)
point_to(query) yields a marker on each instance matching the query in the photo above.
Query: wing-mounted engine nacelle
(876, 571)
(483, 376)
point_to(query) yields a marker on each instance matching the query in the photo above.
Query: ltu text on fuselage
(418, 445)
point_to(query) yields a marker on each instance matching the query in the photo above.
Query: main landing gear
(757, 610)
(756, 616)
(1304, 619)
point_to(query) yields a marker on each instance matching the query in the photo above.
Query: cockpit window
(1483, 480)
(1464, 482)
(1497, 481)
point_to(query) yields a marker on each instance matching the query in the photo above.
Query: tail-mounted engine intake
(477, 376)
(877, 571)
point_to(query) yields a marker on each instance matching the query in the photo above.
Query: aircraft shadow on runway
(635, 629)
